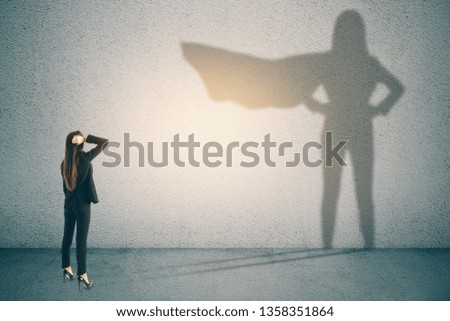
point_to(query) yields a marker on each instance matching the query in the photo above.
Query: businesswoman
(79, 191)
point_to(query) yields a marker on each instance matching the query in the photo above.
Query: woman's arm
(101, 144)
(315, 106)
(396, 90)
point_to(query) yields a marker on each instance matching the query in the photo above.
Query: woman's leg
(84, 218)
(331, 186)
(362, 157)
(331, 189)
(69, 227)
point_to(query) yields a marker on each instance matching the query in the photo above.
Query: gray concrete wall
(111, 67)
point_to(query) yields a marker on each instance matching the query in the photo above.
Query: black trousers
(79, 215)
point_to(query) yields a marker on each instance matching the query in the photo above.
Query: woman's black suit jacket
(84, 192)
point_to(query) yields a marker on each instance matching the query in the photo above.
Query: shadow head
(349, 37)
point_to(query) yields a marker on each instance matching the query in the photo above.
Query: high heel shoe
(85, 283)
(68, 275)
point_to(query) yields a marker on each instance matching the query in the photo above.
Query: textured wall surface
(116, 67)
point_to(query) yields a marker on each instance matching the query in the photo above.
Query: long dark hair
(70, 162)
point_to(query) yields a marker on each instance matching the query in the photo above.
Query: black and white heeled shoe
(67, 275)
(85, 283)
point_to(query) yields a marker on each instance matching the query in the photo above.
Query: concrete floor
(231, 274)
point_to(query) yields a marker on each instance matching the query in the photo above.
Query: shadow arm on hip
(395, 88)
